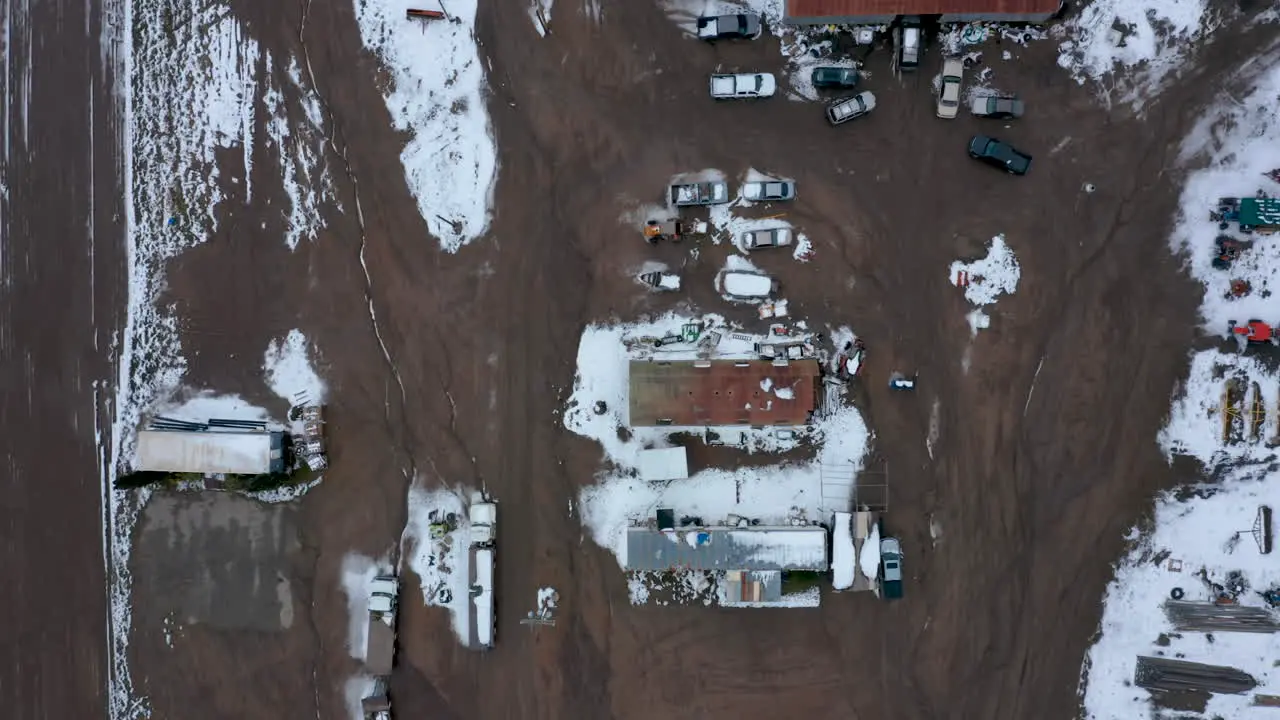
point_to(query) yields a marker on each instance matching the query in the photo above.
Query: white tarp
(664, 464)
(236, 453)
(842, 554)
(870, 560)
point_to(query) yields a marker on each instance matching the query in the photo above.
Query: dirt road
(1046, 450)
(61, 298)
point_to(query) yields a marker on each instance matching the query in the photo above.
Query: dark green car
(834, 77)
(999, 154)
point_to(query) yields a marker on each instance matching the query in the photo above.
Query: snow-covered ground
(1210, 533)
(1147, 40)
(437, 96)
(781, 494)
(1240, 140)
(354, 691)
(288, 369)
(1195, 427)
(1210, 529)
(300, 145)
(984, 280)
(358, 573)
(442, 564)
(540, 15)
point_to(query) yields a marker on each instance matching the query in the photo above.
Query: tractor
(1254, 332)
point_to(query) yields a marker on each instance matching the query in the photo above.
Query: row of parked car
(725, 86)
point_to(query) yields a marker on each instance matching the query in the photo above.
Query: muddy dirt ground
(62, 296)
(1032, 489)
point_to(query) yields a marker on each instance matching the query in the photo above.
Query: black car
(999, 154)
(725, 27)
(834, 77)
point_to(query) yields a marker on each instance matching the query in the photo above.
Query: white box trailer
(210, 452)
(482, 598)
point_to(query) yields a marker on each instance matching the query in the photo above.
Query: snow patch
(300, 145)
(1196, 421)
(442, 563)
(1200, 531)
(354, 691)
(1240, 138)
(1149, 37)
(437, 97)
(803, 251)
(543, 8)
(358, 572)
(288, 369)
(986, 279)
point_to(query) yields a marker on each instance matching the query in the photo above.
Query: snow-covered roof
(756, 548)
(745, 284)
(234, 453)
(664, 464)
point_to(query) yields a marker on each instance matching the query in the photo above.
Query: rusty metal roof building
(876, 12)
(723, 392)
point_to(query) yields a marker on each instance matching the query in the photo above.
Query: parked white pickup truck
(743, 85)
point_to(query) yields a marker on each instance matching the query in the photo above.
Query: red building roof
(723, 392)
(836, 8)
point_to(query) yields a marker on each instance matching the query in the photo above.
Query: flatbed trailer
(1259, 215)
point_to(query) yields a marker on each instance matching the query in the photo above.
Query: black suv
(834, 77)
(999, 154)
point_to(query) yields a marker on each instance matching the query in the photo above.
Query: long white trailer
(482, 598)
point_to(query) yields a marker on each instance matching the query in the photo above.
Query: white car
(745, 285)
(949, 94)
(743, 85)
(769, 190)
(773, 237)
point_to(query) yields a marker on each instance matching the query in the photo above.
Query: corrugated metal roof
(839, 8)
(785, 548)
(722, 392)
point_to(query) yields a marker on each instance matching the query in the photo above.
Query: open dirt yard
(1044, 453)
(1045, 421)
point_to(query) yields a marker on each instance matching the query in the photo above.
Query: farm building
(210, 452)
(880, 12)
(723, 392)
(752, 558)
